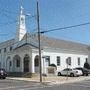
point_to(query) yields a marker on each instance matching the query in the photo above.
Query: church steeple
(21, 31)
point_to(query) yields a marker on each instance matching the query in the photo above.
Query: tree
(86, 65)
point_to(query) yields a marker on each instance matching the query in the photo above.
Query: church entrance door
(26, 63)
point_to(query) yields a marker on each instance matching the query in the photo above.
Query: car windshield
(74, 69)
(67, 69)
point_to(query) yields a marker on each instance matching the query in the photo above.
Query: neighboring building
(21, 54)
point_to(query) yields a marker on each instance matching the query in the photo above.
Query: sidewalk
(53, 80)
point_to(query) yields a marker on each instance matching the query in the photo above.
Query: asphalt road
(18, 85)
(25, 85)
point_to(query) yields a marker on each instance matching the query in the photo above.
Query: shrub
(86, 65)
(53, 65)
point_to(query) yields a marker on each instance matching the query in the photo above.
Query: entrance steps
(35, 75)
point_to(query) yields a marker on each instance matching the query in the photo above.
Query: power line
(56, 29)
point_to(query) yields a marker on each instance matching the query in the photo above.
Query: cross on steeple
(22, 9)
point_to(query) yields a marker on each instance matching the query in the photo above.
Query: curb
(52, 82)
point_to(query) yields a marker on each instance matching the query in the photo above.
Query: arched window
(10, 63)
(10, 48)
(36, 61)
(17, 59)
(17, 63)
(4, 49)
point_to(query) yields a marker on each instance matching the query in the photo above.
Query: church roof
(58, 43)
(63, 44)
(47, 42)
(7, 43)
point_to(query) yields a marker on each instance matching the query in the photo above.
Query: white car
(70, 72)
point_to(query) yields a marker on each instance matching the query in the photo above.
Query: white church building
(20, 54)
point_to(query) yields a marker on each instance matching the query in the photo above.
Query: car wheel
(59, 74)
(72, 75)
(86, 74)
(4, 77)
(83, 74)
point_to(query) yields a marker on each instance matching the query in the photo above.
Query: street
(17, 85)
(8, 84)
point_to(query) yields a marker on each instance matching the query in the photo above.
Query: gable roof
(32, 40)
(63, 44)
(58, 43)
(7, 43)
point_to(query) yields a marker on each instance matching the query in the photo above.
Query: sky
(53, 14)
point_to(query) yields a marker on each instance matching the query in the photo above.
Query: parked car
(3, 73)
(70, 72)
(84, 71)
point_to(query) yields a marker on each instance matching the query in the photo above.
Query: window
(17, 59)
(4, 49)
(68, 61)
(58, 60)
(78, 60)
(67, 69)
(10, 48)
(47, 59)
(17, 63)
(86, 59)
(10, 63)
(37, 61)
(22, 20)
(0, 50)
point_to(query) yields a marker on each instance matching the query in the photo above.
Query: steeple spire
(22, 9)
(21, 31)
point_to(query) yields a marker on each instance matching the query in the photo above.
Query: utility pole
(39, 46)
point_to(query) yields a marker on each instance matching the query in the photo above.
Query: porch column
(33, 66)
